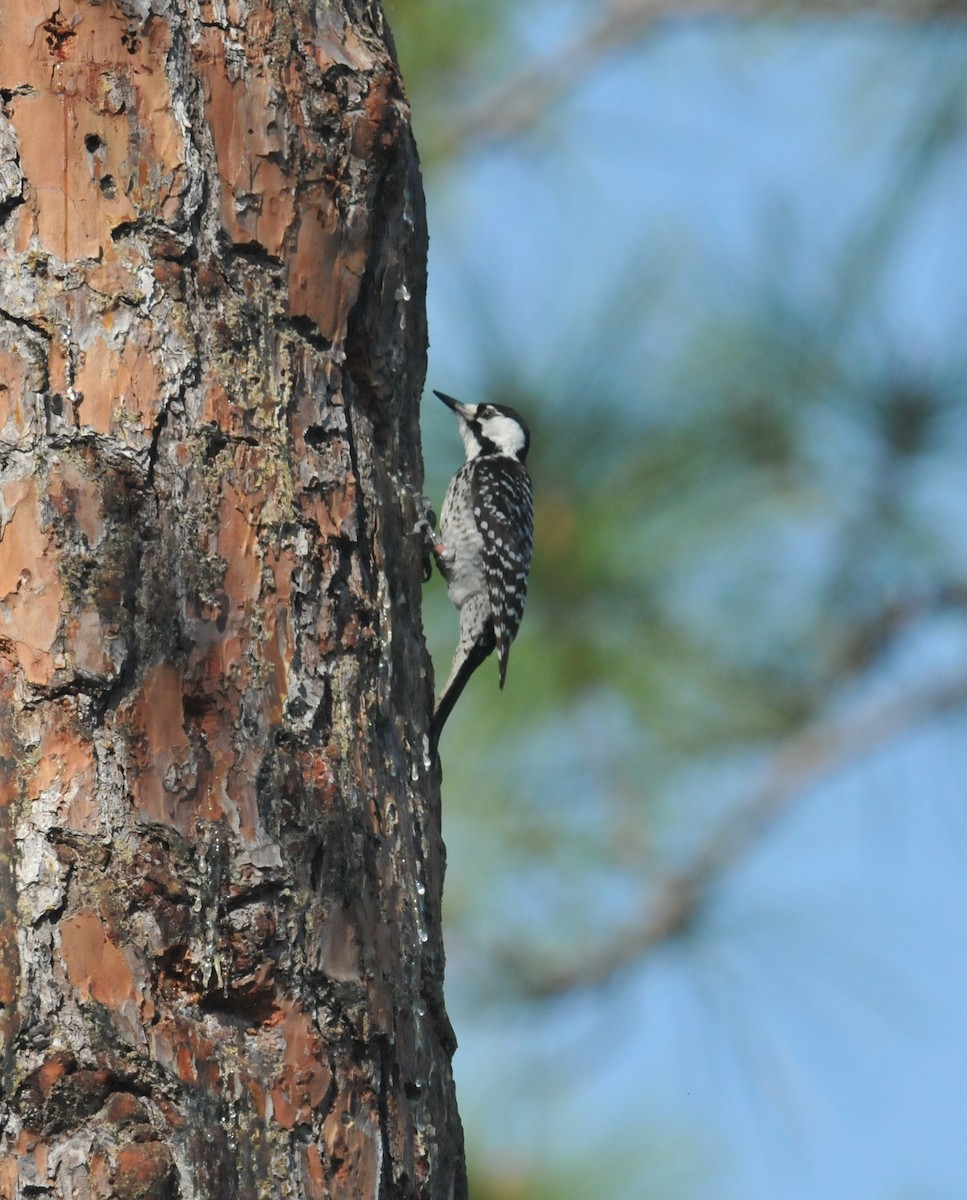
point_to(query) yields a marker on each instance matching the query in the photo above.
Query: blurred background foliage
(706, 900)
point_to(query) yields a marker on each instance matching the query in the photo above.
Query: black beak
(449, 401)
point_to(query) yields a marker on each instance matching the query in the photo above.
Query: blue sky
(810, 1043)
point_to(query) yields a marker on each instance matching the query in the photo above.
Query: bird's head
(490, 429)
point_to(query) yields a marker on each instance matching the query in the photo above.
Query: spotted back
(503, 508)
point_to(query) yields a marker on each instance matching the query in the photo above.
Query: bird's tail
(503, 652)
(452, 689)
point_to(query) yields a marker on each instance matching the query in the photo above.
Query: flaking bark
(220, 857)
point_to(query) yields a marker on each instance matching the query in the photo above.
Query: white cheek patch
(507, 434)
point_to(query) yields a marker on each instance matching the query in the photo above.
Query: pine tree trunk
(220, 857)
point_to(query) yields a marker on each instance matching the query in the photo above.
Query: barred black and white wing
(503, 508)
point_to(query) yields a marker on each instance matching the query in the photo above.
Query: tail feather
(453, 688)
(503, 655)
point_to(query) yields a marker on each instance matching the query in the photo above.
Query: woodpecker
(486, 541)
